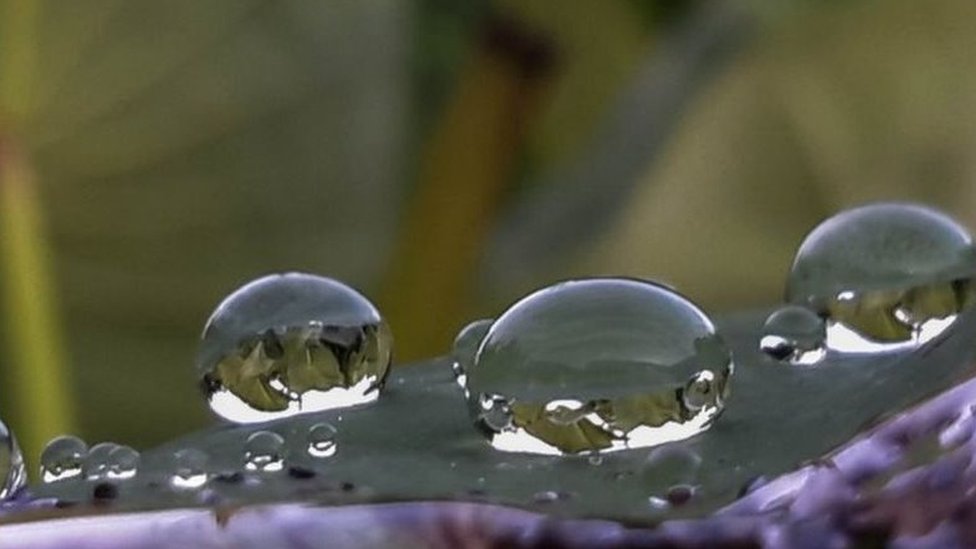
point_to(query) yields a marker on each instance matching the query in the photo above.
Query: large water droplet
(264, 451)
(598, 365)
(321, 440)
(465, 347)
(292, 343)
(885, 276)
(62, 458)
(13, 475)
(794, 334)
(189, 469)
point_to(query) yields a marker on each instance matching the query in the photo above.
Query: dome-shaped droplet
(321, 440)
(465, 346)
(123, 463)
(264, 451)
(884, 275)
(598, 365)
(289, 344)
(62, 458)
(794, 334)
(13, 476)
(670, 464)
(97, 463)
(189, 469)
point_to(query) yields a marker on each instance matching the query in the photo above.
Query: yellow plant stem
(32, 368)
(33, 357)
(468, 165)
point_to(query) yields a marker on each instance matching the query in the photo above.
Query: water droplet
(96, 465)
(658, 503)
(264, 451)
(189, 469)
(321, 440)
(13, 475)
(62, 458)
(289, 344)
(123, 463)
(885, 276)
(598, 365)
(671, 464)
(465, 347)
(548, 496)
(794, 334)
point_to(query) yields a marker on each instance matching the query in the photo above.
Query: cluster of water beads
(292, 343)
(13, 476)
(595, 365)
(884, 276)
(110, 461)
(68, 457)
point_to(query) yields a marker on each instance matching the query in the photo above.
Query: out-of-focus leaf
(856, 102)
(578, 198)
(183, 147)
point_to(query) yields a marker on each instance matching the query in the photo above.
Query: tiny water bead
(264, 452)
(123, 463)
(97, 461)
(292, 343)
(465, 347)
(321, 440)
(598, 365)
(884, 275)
(13, 475)
(794, 334)
(189, 469)
(63, 458)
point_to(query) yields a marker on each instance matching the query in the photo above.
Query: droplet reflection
(598, 365)
(63, 458)
(885, 276)
(289, 344)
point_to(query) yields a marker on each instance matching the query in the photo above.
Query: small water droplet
(13, 475)
(289, 344)
(264, 451)
(96, 465)
(123, 463)
(671, 464)
(885, 276)
(658, 503)
(794, 334)
(595, 459)
(62, 458)
(465, 347)
(547, 496)
(598, 365)
(321, 440)
(189, 469)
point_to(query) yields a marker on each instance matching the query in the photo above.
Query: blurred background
(443, 157)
